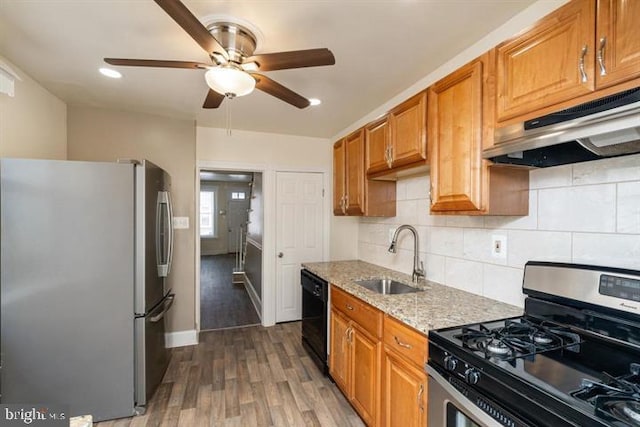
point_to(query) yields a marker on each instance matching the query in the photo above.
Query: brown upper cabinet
(618, 41)
(460, 125)
(583, 47)
(353, 194)
(398, 141)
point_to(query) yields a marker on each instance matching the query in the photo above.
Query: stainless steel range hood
(602, 128)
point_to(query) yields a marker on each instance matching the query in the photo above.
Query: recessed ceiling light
(110, 73)
(314, 101)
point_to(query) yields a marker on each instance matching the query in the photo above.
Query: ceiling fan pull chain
(228, 107)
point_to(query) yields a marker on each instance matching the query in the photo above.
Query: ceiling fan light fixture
(229, 80)
(110, 72)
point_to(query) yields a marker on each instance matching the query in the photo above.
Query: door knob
(280, 254)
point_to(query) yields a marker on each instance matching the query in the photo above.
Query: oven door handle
(477, 414)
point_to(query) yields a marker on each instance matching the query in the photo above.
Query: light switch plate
(180, 222)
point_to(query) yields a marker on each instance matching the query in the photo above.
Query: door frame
(269, 284)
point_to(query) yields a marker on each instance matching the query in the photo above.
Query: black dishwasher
(314, 317)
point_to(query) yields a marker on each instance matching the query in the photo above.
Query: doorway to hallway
(229, 219)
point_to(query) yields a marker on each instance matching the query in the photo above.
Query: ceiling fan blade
(155, 63)
(293, 59)
(213, 99)
(274, 88)
(179, 13)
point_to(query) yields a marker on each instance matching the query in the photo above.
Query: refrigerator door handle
(164, 230)
(170, 230)
(167, 305)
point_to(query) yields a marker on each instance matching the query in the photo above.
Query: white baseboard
(253, 296)
(181, 338)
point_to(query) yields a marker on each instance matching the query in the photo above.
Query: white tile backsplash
(499, 283)
(463, 274)
(559, 176)
(538, 246)
(583, 208)
(446, 241)
(407, 212)
(417, 187)
(464, 221)
(586, 213)
(616, 250)
(628, 208)
(434, 267)
(478, 243)
(618, 169)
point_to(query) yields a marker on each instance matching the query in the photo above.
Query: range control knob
(471, 376)
(450, 363)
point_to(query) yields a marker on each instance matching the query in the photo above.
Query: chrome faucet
(418, 271)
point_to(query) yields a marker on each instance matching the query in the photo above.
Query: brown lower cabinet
(354, 361)
(404, 381)
(380, 372)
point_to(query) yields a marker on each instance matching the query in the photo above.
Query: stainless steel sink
(387, 286)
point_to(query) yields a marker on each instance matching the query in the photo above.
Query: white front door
(237, 216)
(299, 232)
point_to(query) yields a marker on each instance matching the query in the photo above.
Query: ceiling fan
(234, 71)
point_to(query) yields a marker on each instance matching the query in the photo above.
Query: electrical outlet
(498, 246)
(180, 222)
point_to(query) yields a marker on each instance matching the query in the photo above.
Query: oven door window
(457, 418)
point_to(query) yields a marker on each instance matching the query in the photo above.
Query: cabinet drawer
(405, 341)
(367, 317)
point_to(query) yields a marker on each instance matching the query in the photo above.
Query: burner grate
(617, 398)
(518, 339)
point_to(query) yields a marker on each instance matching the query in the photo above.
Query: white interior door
(299, 232)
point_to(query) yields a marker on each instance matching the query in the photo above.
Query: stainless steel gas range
(573, 358)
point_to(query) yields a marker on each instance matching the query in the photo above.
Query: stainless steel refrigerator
(85, 249)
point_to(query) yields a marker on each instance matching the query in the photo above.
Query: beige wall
(33, 123)
(105, 135)
(282, 151)
(270, 153)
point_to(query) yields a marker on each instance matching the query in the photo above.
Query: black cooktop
(553, 363)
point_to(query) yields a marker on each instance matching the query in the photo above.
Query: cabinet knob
(280, 254)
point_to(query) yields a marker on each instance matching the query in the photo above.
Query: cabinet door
(618, 41)
(404, 393)
(339, 168)
(455, 135)
(377, 146)
(364, 374)
(551, 63)
(408, 131)
(339, 351)
(355, 173)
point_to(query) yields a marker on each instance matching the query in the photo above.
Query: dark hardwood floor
(245, 377)
(223, 304)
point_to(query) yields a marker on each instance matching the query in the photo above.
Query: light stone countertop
(437, 307)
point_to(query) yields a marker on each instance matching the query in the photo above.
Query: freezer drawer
(151, 354)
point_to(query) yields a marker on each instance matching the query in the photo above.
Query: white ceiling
(381, 48)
